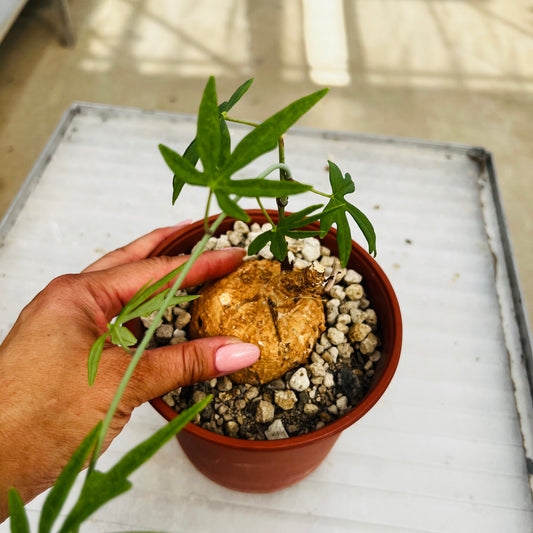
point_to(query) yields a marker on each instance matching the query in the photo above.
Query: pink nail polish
(234, 356)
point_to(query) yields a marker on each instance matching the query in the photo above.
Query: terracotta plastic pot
(266, 466)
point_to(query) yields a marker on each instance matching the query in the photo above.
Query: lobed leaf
(335, 213)
(191, 153)
(278, 246)
(265, 137)
(181, 166)
(300, 218)
(259, 243)
(208, 129)
(365, 226)
(225, 143)
(301, 234)
(177, 186)
(231, 207)
(253, 188)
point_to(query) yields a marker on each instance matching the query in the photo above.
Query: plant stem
(265, 212)
(148, 335)
(283, 201)
(245, 122)
(322, 193)
(273, 167)
(206, 214)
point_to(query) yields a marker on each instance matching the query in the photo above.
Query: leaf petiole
(237, 121)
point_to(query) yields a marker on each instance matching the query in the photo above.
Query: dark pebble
(348, 383)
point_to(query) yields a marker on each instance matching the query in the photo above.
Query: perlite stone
(358, 332)
(311, 249)
(335, 336)
(352, 277)
(369, 344)
(354, 291)
(286, 399)
(232, 428)
(265, 412)
(276, 431)
(310, 409)
(299, 380)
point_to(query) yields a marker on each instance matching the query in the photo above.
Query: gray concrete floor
(444, 70)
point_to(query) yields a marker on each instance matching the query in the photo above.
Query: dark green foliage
(335, 213)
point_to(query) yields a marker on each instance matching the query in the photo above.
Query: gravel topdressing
(306, 398)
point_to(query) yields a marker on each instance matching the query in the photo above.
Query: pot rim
(332, 428)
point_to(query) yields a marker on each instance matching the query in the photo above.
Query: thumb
(163, 369)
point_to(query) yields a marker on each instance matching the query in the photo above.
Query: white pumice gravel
(299, 381)
(276, 431)
(308, 397)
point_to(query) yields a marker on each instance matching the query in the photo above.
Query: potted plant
(272, 463)
(238, 463)
(268, 465)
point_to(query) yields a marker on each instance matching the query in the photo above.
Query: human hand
(46, 404)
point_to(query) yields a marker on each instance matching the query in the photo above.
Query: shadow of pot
(267, 466)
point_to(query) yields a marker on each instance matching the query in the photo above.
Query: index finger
(113, 287)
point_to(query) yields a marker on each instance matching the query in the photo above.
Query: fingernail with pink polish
(234, 356)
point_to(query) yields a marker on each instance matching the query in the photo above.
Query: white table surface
(442, 451)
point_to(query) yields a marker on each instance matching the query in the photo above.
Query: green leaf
(236, 96)
(181, 166)
(122, 336)
(143, 294)
(278, 246)
(252, 188)
(265, 137)
(302, 234)
(191, 153)
(94, 357)
(259, 243)
(335, 213)
(155, 303)
(344, 240)
(141, 453)
(99, 487)
(58, 494)
(225, 143)
(208, 129)
(365, 226)
(231, 207)
(177, 186)
(300, 218)
(18, 520)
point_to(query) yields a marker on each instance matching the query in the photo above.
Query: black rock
(348, 383)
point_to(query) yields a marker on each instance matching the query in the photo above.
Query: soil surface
(314, 391)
